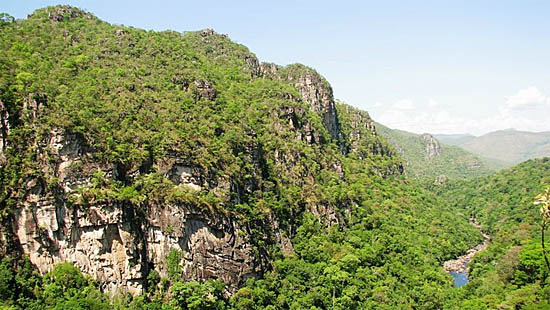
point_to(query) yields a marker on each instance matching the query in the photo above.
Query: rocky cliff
(432, 145)
(314, 90)
(117, 242)
(147, 144)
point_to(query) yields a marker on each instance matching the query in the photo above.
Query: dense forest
(104, 119)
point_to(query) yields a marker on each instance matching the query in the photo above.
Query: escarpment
(119, 241)
(149, 145)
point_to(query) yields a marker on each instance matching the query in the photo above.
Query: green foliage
(7, 280)
(137, 97)
(197, 296)
(531, 267)
(173, 265)
(144, 105)
(6, 18)
(65, 287)
(388, 257)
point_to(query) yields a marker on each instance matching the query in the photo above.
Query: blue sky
(422, 66)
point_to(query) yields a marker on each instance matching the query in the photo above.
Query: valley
(167, 170)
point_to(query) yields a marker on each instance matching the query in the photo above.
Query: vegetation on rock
(161, 142)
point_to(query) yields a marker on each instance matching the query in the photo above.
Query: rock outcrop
(362, 129)
(433, 148)
(4, 126)
(205, 90)
(118, 246)
(362, 140)
(313, 88)
(63, 13)
(118, 243)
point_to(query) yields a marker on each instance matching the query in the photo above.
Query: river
(458, 267)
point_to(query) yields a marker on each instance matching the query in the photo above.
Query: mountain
(511, 146)
(426, 157)
(454, 139)
(149, 170)
(507, 146)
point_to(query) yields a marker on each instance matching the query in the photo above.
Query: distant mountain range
(509, 146)
(455, 139)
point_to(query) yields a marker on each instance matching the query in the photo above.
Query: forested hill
(426, 158)
(511, 273)
(175, 171)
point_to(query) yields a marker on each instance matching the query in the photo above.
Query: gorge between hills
(167, 170)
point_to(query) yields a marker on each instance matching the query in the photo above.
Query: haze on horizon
(421, 66)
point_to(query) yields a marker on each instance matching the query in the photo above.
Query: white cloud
(433, 122)
(432, 103)
(527, 110)
(403, 104)
(528, 97)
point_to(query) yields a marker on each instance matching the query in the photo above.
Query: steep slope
(510, 273)
(140, 155)
(427, 158)
(124, 145)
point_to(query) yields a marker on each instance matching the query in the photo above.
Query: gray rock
(118, 244)
(313, 88)
(65, 12)
(433, 148)
(205, 90)
(4, 127)
(207, 32)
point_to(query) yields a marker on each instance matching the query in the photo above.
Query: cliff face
(432, 145)
(361, 140)
(117, 242)
(313, 88)
(119, 247)
(196, 150)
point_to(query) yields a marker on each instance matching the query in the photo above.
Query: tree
(6, 18)
(544, 200)
(198, 296)
(66, 287)
(7, 280)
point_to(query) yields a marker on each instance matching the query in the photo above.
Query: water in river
(460, 278)
(458, 268)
